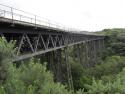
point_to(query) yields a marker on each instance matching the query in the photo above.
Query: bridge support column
(90, 50)
(79, 53)
(69, 74)
(89, 53)
(103, 44)
(51, 63)
(83, 54)
(100, 47)
(86, 55)
(95, 52)
(58, 57)
(55, 64)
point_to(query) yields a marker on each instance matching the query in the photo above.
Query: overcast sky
(89, 15)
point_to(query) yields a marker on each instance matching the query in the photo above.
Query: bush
(30, 78)
(80, 78)
(111, 66)
(115, 87)
(7, 52)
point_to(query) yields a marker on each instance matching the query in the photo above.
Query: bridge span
(32, 41)
(35, 37)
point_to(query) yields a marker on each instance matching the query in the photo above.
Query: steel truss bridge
(35, 38)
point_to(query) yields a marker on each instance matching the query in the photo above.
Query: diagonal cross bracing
(36, 41)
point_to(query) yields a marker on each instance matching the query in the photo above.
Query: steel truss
(32, 42)
(30, 45)
(87, 55)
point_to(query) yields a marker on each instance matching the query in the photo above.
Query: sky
(86, 15)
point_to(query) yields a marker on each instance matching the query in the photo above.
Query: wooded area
(33, 77)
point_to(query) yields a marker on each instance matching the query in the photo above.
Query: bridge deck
(35, 38)
(42, 39)
(27, 24)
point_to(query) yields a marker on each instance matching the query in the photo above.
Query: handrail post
(35, 21)
(12, 16)
(12, 12)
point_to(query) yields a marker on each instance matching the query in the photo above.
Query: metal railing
(16, 14)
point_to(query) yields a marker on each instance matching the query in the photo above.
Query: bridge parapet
(18, 16)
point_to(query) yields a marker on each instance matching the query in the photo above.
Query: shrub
(115, 87)
(112, 65)
(30, 78)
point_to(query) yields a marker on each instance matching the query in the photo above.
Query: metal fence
(16, 14)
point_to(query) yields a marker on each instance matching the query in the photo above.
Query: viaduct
(38, 37)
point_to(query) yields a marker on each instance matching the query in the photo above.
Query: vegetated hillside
(109, 77)
(116, 41)
(32, 77)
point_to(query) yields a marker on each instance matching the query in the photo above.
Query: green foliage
(80, 91)
(2, 90)
(80, 78)
(30, 78)
(33, 77)
(115, 87)
(6, 49)
(117, 48)
(115, 41)
(108, 76)
(6, 54)
(111, 66)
